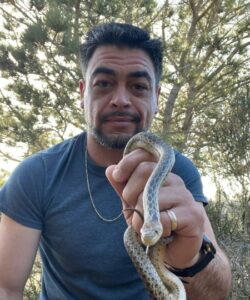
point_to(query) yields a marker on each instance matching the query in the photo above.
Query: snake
(160, 282)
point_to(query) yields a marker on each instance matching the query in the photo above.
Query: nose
(120, 97)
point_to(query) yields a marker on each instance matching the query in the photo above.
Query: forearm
(212, 283)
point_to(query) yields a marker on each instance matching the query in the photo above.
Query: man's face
(119, 94)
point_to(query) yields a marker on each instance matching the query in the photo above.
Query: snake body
(159, 281)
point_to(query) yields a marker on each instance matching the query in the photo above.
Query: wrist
(206, 254)
(177, 257)
(193, 261)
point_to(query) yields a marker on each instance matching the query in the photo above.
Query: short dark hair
(122, 35)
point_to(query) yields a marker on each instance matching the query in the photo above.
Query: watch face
(207, 245)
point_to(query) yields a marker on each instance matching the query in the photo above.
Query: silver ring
(173, 219)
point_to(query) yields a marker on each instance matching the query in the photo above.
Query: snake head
(150, 234)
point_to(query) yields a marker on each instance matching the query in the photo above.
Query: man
(61, 200)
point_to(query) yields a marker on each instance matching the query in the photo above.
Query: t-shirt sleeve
(185, 168)
(21, 196)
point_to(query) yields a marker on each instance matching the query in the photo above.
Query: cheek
(147, 113)
(92, 112)
(154, 106)
(149, 119)
(88, 111)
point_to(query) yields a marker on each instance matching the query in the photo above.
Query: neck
(102, 155)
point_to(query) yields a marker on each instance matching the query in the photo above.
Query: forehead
(120, 60)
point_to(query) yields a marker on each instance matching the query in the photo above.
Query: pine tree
(40, 69)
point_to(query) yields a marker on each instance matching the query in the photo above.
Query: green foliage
(206, 49)
(3, 176)
(232, 227)
(69, 43)
(231, 135)
(35, 34)
(57, 19)
(38, 4)
(33, 284)
(203, 109)
(39, 60)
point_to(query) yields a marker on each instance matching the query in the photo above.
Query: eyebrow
(103, 70)
(108, 71)
(139, 74)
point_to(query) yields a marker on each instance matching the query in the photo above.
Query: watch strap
(207, 253)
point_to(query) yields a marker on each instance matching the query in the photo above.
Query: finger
(130, 190)
(130, 210)
(118, 186)
(129, 162)
(173, 180)
(174, 196)
(136, 183)
(189, 214)
(137, 218)
(169, 223)
(169, 197)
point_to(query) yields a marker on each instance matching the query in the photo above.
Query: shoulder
(35, 168)
(54, 154)
(184, 165)
(65, 146)
(30, 189)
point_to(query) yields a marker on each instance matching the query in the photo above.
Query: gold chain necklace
(90, 194)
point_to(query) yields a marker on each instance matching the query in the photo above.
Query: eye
(139, 86)
(102, 83)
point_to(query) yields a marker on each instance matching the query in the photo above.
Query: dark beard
(117, 141)
(114, 142)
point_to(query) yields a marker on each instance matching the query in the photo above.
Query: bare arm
(18, 247)
(214, 282)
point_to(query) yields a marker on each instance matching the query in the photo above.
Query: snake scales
(159, 281)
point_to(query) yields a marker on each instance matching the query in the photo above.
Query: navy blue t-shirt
(83, 257)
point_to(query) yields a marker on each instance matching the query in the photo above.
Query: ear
(82, 89)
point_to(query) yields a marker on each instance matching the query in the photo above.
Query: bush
(233, 237)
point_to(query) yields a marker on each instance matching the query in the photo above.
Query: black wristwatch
(207, 253)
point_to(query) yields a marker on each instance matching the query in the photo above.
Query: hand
(129, 177)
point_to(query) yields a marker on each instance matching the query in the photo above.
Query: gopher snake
(160, 282)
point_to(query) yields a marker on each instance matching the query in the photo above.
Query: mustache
(134, 117)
